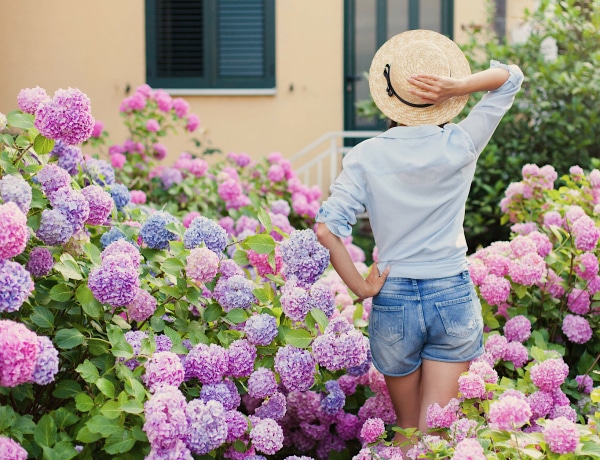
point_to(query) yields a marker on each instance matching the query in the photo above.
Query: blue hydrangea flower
(69, 156)
(207, 231)
(54, 228)
(304, 257)
(17, 190)
(154, 233)
(261, 329)
(114, 234)
(225, 392)
(234, 292)
(99, 171)
(120, 195)
(335, 400)
(207, 426)
(274, 407)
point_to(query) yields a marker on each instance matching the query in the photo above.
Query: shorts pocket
(387, 323)
(458, 316)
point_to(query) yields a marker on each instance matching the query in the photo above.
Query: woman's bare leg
(439, 384)
(405, 393)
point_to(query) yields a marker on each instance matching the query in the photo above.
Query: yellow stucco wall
(99, 47)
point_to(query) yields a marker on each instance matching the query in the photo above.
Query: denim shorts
(436, 319)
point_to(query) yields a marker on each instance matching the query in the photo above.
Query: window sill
(222, 92)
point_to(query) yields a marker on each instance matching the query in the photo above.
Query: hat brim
(407, 44)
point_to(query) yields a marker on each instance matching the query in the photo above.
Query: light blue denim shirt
(414, 182)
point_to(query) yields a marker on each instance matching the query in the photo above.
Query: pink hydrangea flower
(18, 353)
(15, 232)
(549, 375)
(152, 125)
(193, 121)
(137, 196)
(202, 265)
(517, 329)
(471, 386)
(586, 266)
(468, 449)
(561, 435)
(577, 329)
(509, 413)
(579, 301)
(495, 289)
(372, 429)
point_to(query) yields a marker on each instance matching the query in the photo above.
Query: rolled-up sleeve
(487, 113)
(346, 201)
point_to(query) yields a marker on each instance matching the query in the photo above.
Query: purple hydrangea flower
(18, 353)
(12, 450)
(229, 268)
(170, 177)
(266, 435)
(71, 204)
(207, 426)
(15, 286)
(280, 207)
(17, 190)
(163, 369)
(154, 233)
(54, 228)
(579, 301)
(225, 392)
(550, 374)
(322, 298)
(142, 306)
(29, 99)
(166, 421)
(209, 364)
(15, 231)
(274, 407)
(577, 329)
(115, 282)
(361, 369)
(335, 400)
(261, 329)
(234, 292)
(40, 262)
(237, 424)
(67, 117)
(296, 368)
(69, 157)
(114, 234)
(120, 248)
(207, 231)
(295, 301)
(262, 383)
(585, 383)
(242, 355)
(304, 257)
(178, 451)
(100, 172)
(163, 343)
(120, 195)
(202, 265)
(517, 329)
(46, 364)
(134, 338)
(341, 346)
(561, 435)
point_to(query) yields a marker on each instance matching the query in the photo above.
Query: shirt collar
(411, 132)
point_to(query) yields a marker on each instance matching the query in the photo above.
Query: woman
(413, 180)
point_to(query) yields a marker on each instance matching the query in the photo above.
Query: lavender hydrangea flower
(296, 368)
(29, 99)
(67, 117)
(69, 157)
(234, 292)
(225, 392)
(274, 407)
(363, 368)
(12, 450)
(163, 343)
(266, 435)
(261, 329)
(262, 383)
(208, 363)
(304, 257)
(170, 177)
(120, 195)
(17, 190)
(322, 298)
(178, 451)
(114, 234)
(134, 338)
(71, 204)
(40, 262)
(541, 403)
(18, 353)
(52, 177)
(15, 231)
(154, 233)
(99, 202)
(142, 306)
(15, 285)
(229, 268)
(242, 355)
(202, 265)
(46, 364)
(100, 172)
(335, 400)
(295, 301)
(163, 369)
(207, 231)
(115, 282)
(166, 422)
(207, 426)
(341, 346)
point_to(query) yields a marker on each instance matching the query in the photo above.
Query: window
(210, 45)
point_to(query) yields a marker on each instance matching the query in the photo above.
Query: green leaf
(111, 410)
(119, 443)
(262, 295)
(132, 406)
(106, 387)
(520, 290)
(265, 219)
(7, 417)
(172, 266)
(591, 448)
(62, 450)
(43, 145)
(93, 253)
(6, 139)
(103, 425)
(66, 389)
(135, 389)
(45, 431)
(68, 338)
(237, 315)
(261, 244)
(88, 371)
(212, 313)
(61, 292)
(299, 338)
(18, 119)
(68, 268)
(88, 302)
(320, 317)
(42, 317)
(241, 257)
(86, 436)
(64, 418)
(84, 402)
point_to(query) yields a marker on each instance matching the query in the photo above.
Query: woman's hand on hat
(374, 281)
(434, 89)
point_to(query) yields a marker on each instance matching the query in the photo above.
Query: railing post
(333, 162)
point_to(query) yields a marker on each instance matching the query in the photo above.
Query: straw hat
(411, 53)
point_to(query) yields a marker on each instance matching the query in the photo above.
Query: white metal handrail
(310, 164)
